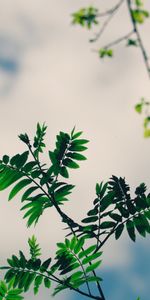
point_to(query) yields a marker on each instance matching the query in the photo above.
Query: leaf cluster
(86, 17)
(114, 209)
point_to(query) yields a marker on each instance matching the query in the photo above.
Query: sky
(50, 73)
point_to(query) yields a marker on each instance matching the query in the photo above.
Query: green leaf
(131, 230)
(104, 52)
(76, 156)
(76, 135)
(94, 279)
(45, 264)
(77, 148)
(70, 163)
(73, 242)
(93, 266)
(47, 282)
(119, 231)
(132, 42)
(29, 281)
(87, 251)
(63, 191)
(19, 186)
(79, 245)
(116, 217)
(22, 159)
(139, 225)
(138, 108)
(91, 257)
(90, 219)
(107, 224)
(79, 142)
(29, 166)
(28, 192)
(63, 172)
(10, 176)
(76, 275)
(37, 283)
(139, 3)
(35, 250)
(5, 159)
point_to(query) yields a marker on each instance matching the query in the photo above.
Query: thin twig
(111, 13)
(119, 40)
(136, 31)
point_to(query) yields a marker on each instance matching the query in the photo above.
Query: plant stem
(136, 31)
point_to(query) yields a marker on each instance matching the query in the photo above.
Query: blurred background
(49, 73)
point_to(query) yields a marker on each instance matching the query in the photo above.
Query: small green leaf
(79, 245)
(70, 163)
(116, 217)
(63, 172)
(19, 186)
(131, 230)
(93, 266)
(76, 156)
(91, 257)
(119, 231)
(45, 265)
(5, 159)
(107, 224)
(87, 251)
(47, 283)
(138, 108)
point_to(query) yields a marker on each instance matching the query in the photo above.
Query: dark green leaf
(107, 224)
(63, 172)
(5, 159)
(70, 163)
(76, 156)
(90, 219)
(22, 159)
(28, 192)
(115, 217)
(77, 148)
(119, 231)
(131, 230)
(45, 265)
(29, 166)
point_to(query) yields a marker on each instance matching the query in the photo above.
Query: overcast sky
(48, 72)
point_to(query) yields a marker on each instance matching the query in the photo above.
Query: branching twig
(136, 31)
(112, 10)
(111, 13)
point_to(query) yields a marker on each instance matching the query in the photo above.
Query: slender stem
(119, 40)
(112, 10)
(136, 31)
(111, 13)
(88, 287)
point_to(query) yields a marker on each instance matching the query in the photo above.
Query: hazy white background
(49, 73)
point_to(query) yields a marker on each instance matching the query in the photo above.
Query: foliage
(143, 108)
(86, 17)
(78, 257)
(133, 38)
